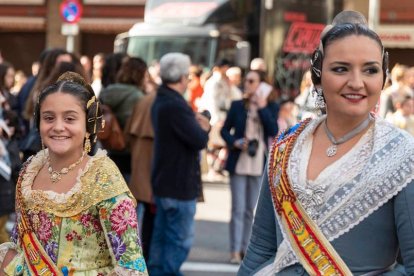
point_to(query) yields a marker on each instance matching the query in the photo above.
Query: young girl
(75, 214)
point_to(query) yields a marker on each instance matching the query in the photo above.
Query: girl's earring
(87, 145)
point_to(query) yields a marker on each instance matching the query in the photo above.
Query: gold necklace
(55, 176)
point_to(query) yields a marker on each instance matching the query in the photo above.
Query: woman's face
(9, 78)
(251, 83)
(63, 125)
(352, 76)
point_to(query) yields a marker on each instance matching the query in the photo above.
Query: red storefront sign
(302, 37)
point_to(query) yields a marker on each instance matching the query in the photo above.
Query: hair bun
(76, 78)
(352, 17)
(72, 77)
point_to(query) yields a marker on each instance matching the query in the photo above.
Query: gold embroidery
(99, 181)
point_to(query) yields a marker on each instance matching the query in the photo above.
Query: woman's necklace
(331, 151)
(55, 176)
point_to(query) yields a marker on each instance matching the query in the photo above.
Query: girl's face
(9, 78)
(352, 76)
(251, 83)
(63, 125)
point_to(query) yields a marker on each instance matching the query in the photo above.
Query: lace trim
(99, 180)
(357, 193)
(4, 248)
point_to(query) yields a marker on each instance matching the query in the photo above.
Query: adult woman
(75, 212)
(121, 97)
(341, 185)
(7, 72)
(253, 120)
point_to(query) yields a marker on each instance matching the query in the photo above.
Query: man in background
(179, 135)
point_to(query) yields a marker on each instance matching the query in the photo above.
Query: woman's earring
(43, 145)
(320, 101)
(87, 145)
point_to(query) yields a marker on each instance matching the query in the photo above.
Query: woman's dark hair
(75, 85)
(49, 58)
(111, 67)
(4, 67)
(132, 71)
(340, 31)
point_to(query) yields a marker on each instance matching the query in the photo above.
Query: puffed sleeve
(404, 221)
(14, 267)
(119, 220)
(263, 241)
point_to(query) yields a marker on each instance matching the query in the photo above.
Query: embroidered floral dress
(90, 230)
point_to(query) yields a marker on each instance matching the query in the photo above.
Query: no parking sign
(71, 11)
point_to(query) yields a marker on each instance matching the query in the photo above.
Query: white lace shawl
(378, 167)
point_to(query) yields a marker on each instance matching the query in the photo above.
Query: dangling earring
(87, 145)
(43, 145)
(320, 101)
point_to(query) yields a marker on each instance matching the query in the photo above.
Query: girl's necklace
(55, 176)
(332, 149)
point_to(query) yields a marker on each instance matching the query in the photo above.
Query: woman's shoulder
(387, 129)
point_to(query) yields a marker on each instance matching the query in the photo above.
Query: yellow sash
(314, 251)
(37, 260)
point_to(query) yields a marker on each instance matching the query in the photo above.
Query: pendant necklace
(331, 150)
(55, 176)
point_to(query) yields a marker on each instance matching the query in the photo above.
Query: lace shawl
(376, 169)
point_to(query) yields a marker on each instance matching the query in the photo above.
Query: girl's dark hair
(132, 71)
(340, 31)
(73, 84)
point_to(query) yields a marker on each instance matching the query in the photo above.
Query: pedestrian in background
(140, 137)
(180, 134)
(249, 124)
(121, 97)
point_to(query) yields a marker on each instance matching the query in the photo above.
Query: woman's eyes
(339, 69)
(368, 70)
(372, 70)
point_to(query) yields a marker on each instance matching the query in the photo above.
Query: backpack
(112, 136)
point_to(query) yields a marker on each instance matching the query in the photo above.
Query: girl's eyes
(67, 119)
(48, 118)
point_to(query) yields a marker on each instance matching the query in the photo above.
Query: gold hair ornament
(95, 119)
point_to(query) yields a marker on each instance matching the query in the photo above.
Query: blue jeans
(172, 236)
(244, 194)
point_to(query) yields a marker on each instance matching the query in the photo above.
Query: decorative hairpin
(91, 101)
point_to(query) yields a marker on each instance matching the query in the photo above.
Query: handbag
(112, 136)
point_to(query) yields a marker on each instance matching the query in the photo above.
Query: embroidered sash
(37, 260)
(313, 250)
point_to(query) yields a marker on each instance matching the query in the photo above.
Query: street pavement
(210, 252)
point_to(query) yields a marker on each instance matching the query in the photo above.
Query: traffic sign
(71, 11)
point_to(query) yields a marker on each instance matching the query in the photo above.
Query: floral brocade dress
(90, 230)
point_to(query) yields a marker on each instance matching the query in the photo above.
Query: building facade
(29, 26)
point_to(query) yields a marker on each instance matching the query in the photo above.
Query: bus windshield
(200, 49)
